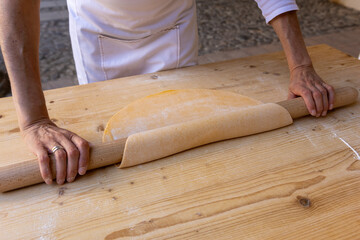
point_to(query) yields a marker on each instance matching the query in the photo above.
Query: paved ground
(224, 26)
(236, 24)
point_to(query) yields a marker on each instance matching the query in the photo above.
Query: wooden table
(298, 182)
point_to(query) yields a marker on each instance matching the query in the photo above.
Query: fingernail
(313, 112)
(331, 106)
(82, 170)
(70, 179)
(48, 181)
(323, 114)
(60, 181)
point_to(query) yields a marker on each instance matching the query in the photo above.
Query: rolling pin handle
(297, 107)
(28, 173)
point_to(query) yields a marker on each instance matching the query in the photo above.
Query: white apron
(118, 38)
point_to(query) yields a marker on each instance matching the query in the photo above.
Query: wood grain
(299, 181)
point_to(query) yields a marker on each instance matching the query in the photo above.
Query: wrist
(25, 126)
(301, 67)
(29, 102)
(298, 58)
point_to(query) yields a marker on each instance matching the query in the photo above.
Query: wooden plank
(355, 4)
(346, 41)
(302, 180)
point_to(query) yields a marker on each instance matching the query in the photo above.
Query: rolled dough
(173, 121)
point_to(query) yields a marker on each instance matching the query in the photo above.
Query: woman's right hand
(19, 40)
(71, 158)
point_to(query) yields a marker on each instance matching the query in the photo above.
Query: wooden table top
(300, 181)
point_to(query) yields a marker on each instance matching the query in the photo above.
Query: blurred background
(227, 29)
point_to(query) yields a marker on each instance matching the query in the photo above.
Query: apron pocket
(152, 53)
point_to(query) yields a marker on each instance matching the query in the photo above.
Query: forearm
(288, 30)
(304, 81)
(19, 40)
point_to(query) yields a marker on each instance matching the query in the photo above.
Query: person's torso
(117, 38)
(131, 18)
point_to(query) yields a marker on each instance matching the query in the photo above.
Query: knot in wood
(305, 202)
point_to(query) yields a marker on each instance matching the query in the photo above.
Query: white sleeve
(272, 8)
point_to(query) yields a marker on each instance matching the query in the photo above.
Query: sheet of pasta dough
(173, 121)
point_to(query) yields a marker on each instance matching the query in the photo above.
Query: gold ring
(55, 148)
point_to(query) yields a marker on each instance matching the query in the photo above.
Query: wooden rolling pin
(27, 173)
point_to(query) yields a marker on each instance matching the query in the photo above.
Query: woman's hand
(71, 159)
(19, 40)
(318, 95)
(304, 81)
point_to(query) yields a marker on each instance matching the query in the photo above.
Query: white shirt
(273, 8)
(118, 38)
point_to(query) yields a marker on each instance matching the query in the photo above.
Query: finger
(318, 99)
(60, 156)
(306, 94)
(325, 101)
(331, 95)
(44, 164)
(84, 149)
(72, 159)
